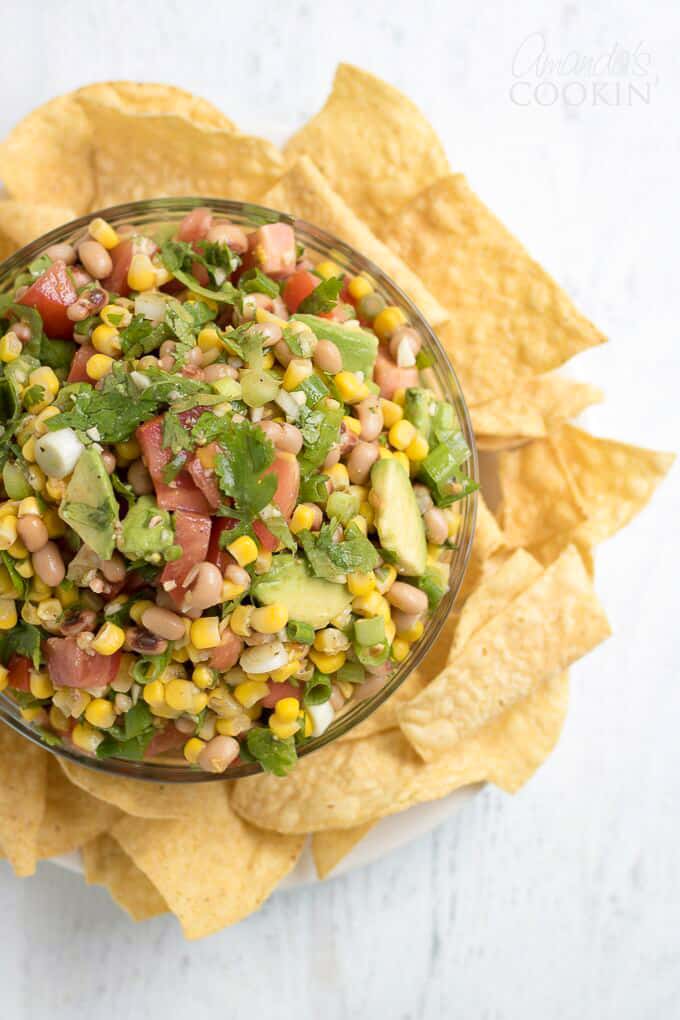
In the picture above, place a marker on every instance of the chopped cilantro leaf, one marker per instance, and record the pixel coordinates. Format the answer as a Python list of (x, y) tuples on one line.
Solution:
[(245, 454), (323, 298), (332, 560), (254, 281), (175, 436), (274, 755)]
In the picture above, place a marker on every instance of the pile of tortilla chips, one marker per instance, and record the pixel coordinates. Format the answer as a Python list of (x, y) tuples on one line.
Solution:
[(489, 702)]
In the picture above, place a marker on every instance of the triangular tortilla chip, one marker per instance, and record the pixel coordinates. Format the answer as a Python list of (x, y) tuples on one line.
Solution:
[(72, 817), (351, 784), (23, 784), (329, 848), (509, 319), (372, 143), (21, 223), (106, 864), (550, 625), (304, 192), (533, 408)]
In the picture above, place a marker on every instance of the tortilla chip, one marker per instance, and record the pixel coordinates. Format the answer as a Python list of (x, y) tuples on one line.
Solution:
[(533, 408), (212, 872), (539, 497), (372, 143), (347, 785), (488, 542), (509, 319), (494, 594), (329, 848), (550, 625), (167, 154), (21, 223), (23, 782), (304, 192), (615, 480), (48, 156), (143, 800), (106, 864), (72, 817)]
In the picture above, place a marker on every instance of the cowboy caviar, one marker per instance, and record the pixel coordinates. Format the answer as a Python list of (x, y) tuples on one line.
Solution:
[(229, 496)]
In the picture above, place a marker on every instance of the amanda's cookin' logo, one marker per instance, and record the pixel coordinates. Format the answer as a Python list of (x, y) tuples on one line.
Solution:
[(616, 76)]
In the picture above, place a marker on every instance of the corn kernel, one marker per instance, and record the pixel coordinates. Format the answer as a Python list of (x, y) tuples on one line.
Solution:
[(263, 562), (129, 450), (24, 568), (203, 677), (192, 749), (232, 727), (8, 614), (453, 521), (40, 684), (390, 631), (287, 709), (244, 550), (106, 340), (297, 371), (368, 513), (413, 633), (28, 507), (351, 389), (402, 434), (141, 274), (49, 610), (110, 638), (54, 524), (361, 584), (45, 377), (284, 673), (179, 694), (100, 713), (418, 448), (58, 720), (268, 361), (8, 531), (339, 476), (98, 366), (207, 456), (18, 550), (359, 287), (239, 621), (399, 650), (262, 315), (29, 614), (327, 268), (154, 693), (353, 424), (302, 519), (205, 633), (101, 231), (86, 738), (269, 619), (115, 315), (327, 662), (55, 488), (309, 724), (387, 321), (138, 609), (10, 347), (39, 425), (180, 654), (250, 692), (399, 397), (373, 604), (34, 714), (385, 578), (209, 339), (231, 591), (28, 450), (402, 459), (282, 730)]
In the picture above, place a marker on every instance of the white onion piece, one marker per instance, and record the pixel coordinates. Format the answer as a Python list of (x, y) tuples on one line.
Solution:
[(151, 305), (322, 716), (264, 658), (405, 356), (140, 380), (57, 453)]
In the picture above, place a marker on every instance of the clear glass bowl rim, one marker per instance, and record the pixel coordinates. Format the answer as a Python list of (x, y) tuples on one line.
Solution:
[(250, 214)]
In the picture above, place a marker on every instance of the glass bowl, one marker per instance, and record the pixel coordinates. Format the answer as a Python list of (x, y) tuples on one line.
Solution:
[(441, 378)]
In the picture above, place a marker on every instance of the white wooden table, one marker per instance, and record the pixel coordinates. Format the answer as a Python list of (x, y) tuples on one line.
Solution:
[(563, 902)]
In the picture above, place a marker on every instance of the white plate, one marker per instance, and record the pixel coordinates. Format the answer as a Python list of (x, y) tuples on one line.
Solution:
[(388, 834)]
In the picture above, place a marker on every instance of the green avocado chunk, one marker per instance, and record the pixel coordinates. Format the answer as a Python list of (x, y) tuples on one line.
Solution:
[(140, 539), (358, 348), (397, 518), (417, 404), (89, 505), (308, 599)]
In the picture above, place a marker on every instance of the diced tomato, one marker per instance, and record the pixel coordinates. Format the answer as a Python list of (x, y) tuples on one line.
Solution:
[(165, 740), (220, 557), (121, 256), (227, 652), (195, 225), (264, 536), (77, 371), (279, 691), (297, 287), (18, 672), (51, 294), (205, 478), (71, 666), (287, 469), (272, 248), (192, 534), (391, 378), (180, 494)]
